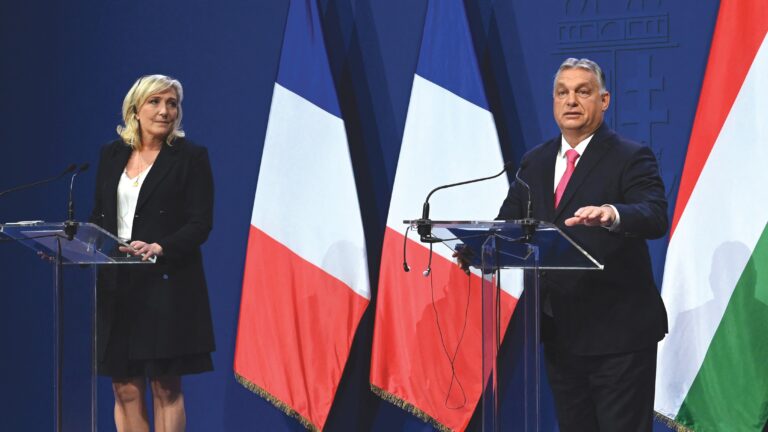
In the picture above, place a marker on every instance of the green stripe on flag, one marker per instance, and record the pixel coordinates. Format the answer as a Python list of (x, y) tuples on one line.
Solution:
[(730, 392)]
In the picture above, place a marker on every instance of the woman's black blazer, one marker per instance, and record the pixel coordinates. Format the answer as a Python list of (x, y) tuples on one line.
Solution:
[(167, 302)]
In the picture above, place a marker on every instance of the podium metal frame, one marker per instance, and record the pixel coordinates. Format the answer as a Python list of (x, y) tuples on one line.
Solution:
[(70, 243), (492, 246)]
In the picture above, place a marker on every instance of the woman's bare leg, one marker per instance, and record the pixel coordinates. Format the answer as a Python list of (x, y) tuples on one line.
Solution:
[(130, 409), (168, 402)]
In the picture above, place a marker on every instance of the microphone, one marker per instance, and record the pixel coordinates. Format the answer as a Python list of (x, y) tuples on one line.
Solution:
[(70, 226), (424, 226), (68, 170), (528, 223), (428, 270), (529, 208), (406, 267)]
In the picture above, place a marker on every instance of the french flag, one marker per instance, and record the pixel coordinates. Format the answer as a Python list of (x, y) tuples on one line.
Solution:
[(305, 283), (427, 354)]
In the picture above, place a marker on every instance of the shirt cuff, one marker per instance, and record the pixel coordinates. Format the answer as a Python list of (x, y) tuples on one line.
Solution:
[(616, 222)]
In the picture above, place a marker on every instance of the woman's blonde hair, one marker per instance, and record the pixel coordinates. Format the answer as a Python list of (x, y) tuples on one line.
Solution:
[(141, 90)]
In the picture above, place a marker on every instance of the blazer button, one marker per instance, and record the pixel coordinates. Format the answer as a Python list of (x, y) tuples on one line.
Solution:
[(135, 216), (165, 276)]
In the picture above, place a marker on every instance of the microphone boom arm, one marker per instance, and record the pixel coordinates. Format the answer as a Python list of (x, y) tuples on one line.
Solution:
[(69, 169), (424, 225)]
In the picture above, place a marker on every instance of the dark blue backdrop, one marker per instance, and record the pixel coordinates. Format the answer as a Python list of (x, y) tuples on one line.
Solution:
[(67, 65)]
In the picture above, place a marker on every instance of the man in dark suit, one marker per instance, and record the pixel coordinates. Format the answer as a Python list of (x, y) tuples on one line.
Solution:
[(600, 328)]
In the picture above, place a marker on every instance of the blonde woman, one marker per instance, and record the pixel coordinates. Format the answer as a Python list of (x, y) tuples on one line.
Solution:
[(154, 189)]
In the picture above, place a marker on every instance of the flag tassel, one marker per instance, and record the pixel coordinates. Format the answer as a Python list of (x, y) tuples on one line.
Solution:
[(282, 406), (672, 424), (404, 405)]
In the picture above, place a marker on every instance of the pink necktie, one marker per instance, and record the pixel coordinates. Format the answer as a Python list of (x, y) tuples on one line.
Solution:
[(572, 155)]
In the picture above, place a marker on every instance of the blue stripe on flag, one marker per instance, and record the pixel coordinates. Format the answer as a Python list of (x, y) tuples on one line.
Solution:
[(447, 56), (304, 67)]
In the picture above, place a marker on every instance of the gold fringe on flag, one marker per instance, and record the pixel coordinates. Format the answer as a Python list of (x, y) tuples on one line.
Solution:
[(671, 423), (282, 406), (402, 404)]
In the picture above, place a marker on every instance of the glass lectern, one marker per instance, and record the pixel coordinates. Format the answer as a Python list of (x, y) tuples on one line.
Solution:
[(495, 245), (67, 243)]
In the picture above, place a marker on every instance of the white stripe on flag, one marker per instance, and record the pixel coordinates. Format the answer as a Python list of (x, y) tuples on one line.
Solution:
[(726, 208), (306, 197), (446, 140)]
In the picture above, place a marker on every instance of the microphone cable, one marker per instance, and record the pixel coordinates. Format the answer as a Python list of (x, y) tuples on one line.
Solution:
[(451, 358)]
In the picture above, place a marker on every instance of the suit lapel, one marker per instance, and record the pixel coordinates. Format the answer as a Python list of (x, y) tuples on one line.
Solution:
[(547, 181), (118, 159), (591, 157), (160, 168)]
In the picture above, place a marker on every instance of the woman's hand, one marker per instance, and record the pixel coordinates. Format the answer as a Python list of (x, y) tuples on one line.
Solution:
[(146, 250)]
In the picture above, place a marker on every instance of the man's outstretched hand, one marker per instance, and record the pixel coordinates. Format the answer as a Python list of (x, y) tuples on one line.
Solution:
[(592, 216)]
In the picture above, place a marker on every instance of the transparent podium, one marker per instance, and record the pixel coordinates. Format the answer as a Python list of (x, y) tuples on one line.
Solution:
[(70, 243), (491, 246)]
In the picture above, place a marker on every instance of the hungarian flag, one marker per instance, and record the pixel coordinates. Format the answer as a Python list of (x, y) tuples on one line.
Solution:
[(713, 365), (427, 354), (305, 284)]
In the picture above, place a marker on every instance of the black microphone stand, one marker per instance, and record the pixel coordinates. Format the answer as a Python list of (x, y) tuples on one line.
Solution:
[(424, 225), (70, 225), (528, 224)]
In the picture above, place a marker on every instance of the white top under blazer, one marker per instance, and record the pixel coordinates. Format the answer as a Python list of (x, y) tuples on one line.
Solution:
[(127, 197)]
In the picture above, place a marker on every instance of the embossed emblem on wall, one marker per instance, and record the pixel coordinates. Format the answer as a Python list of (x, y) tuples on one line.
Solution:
[(622, 37)]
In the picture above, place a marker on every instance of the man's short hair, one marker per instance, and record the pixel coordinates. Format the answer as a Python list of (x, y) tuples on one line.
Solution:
[(585, 64)]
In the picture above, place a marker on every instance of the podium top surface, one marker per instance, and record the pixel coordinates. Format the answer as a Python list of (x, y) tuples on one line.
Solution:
[(91, 244), (527, 244)]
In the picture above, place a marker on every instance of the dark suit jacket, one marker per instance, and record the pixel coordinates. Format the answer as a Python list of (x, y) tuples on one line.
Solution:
[(618, 309), (168, 301)]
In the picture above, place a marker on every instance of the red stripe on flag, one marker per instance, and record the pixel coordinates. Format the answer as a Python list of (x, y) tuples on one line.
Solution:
[(295, 330), (409, 360), (740, 29)]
